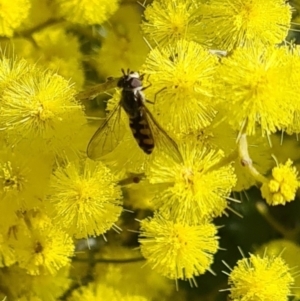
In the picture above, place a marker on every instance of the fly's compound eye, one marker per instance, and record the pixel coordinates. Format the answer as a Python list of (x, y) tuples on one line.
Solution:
[(129, 83), (135, 83)]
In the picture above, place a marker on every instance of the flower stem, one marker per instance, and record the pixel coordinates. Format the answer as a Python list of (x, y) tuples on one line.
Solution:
[(286, 233), (246, 160)]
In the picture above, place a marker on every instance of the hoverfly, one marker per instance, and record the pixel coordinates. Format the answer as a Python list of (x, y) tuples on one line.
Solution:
[(145, 129)]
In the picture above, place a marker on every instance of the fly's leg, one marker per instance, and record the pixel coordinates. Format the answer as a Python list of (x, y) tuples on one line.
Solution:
[(155, 95), (147, 80)]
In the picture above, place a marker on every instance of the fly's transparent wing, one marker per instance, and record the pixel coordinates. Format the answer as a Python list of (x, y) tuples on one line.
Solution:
[(108, 136), (96, 90), (162, 141)]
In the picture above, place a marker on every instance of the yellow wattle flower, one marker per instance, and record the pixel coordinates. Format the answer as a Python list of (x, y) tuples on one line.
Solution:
[(12, 14), (265, 278), (12, 69), (246, 22), (59, 50), (85, 198), (253, 85), (23, 181), (289, 252), (39, 13), (168, 21), (51, 48), (177, 250), (182, 81), (41, 108), (193, 190), (124, 31), (41, 247), (85, 12), (283, 186)]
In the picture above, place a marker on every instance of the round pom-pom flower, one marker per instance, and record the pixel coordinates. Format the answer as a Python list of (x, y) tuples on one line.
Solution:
[(59, 51), (41, 247), (40, 12), (124, 31), (23, 180), (254, 87), (85, 12), (167, 21), (283, 186), (181, 78), (177, 250), (257, 278), (12, 69), (246, 22), (195, 189), (293, 64), (40, 110), (289, 252), (12, 14), (85, 198)]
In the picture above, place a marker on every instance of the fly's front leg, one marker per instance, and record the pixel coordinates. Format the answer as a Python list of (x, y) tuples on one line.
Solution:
[(149, 101), (155, 95), (150, 84), (147, 80)]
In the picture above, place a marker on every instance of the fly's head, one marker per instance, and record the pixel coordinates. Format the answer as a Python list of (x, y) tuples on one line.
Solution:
[(130, 81)]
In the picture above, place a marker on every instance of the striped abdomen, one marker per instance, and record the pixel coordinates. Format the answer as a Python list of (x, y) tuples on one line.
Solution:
[(142, 133)]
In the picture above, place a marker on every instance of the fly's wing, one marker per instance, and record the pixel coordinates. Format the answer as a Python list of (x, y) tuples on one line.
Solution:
[(108, 136), (96, 90), (162, 141)]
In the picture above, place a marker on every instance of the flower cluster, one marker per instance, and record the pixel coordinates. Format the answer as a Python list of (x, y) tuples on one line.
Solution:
[(50, 193), (187, 134)]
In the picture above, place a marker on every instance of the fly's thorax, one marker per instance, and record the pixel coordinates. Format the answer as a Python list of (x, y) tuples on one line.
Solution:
[(132, 102)]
